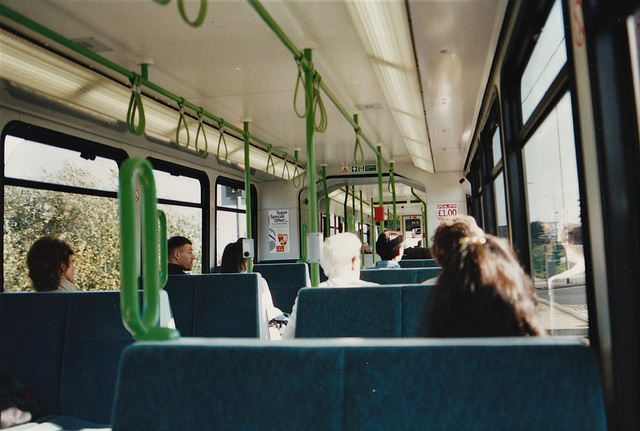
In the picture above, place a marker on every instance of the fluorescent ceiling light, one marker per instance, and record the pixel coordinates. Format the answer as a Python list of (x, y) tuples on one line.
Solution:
[(384, 31), (29, 66)]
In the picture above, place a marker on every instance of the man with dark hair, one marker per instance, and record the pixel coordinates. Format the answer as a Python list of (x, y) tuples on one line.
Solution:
[(180, 255), (389, 248)]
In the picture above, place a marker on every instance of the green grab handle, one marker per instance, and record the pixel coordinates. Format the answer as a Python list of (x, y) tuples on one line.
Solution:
[(138, 171), (164, 249)]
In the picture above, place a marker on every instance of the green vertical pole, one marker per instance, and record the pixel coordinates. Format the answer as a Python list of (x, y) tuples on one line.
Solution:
[(424, 216), (140, 225), (380, 198), (327, 216), (247, 188), (353, 200), (344, 205), (373, 233), (309, 72), (392, 178), (362, 229), (303, 243)]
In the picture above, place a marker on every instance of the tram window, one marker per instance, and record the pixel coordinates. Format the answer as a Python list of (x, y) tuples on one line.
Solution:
[(177, 187), (496, 146), (69, 191), (183, 196), (501, 206), (553, 202), (33, 161), (231, 213), (547, 59)]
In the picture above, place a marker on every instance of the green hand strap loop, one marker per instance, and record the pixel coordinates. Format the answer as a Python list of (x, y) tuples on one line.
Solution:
[(307, 105), (162, 2), (285, 168), (318, 106), (270, 165), (204, 152), (297, 179), (201, 13), (135, 107), (182, 122), (358, 153), (222, 140)]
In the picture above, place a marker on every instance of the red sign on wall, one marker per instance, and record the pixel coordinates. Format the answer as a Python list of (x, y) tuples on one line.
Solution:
[(446, 210), (378, 214)]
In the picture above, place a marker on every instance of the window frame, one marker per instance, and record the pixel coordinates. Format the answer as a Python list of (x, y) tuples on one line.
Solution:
[(205, 193), (62, 140), (229, 182)]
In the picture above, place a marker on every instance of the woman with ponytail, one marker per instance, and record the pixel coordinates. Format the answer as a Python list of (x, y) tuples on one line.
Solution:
[(482, 291)]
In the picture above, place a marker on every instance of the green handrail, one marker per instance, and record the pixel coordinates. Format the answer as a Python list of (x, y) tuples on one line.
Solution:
[(247, 189), (130, 76), (164, 252), (298, 56), (392, 182), (327, 217), (303, 243), (379, 168), (344, 205), (373, 233), (424, 215), (361, 229), (351, 224), (314, 268), (137, 172)]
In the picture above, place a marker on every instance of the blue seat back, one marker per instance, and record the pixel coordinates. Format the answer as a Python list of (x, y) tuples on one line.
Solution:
[(393, 384), (349, 312), (418, 263), (399, 276), (165, 387), (182, 291), (32, 333), (509, 384), (226, 305), (95, 339), (285, 280)]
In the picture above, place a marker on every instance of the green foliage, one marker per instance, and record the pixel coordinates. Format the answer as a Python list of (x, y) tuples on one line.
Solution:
[(90, 224)]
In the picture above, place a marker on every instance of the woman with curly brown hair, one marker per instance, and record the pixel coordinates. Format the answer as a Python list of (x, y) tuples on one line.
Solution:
[(51, 265), (482, 291)]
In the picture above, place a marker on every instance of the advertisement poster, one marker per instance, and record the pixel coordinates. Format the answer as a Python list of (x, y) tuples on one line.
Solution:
[(446, 210), (279, 231)]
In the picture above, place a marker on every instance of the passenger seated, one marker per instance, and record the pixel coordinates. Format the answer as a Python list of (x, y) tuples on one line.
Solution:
[(51, 266), (234, 262), (341, 264), (180, 255), (389, 248), (482, 291)]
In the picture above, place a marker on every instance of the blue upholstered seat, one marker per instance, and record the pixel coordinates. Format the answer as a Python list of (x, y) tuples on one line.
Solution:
[(388, 311), (399, 276), (418, 263), (285, 280), (360, 384)]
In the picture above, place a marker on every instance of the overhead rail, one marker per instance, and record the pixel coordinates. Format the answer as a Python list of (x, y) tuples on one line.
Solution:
[(137, 81), (300, 58)]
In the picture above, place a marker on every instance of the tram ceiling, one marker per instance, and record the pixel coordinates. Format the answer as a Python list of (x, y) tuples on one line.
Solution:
[(234, 66)]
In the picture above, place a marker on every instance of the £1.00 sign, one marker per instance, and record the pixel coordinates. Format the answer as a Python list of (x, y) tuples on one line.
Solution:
[(446, 210)]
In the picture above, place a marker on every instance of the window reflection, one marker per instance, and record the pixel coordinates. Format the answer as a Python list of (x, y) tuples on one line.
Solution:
[(548, 57), (501, 206), (554, 215)]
